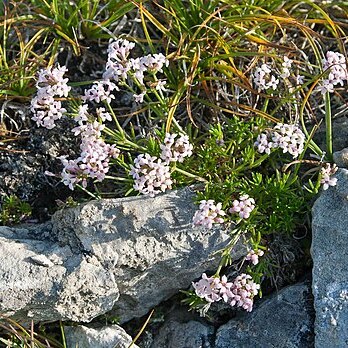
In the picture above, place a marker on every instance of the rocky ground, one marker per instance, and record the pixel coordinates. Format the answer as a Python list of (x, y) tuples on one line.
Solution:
[(117, 259), (123, 257)]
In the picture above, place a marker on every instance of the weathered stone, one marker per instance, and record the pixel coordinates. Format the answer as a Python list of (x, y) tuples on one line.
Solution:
[(282, 321), (105, 337), (330, 276), (341, 158), (148, 244), (175, 334), (143, 249), (43, 281)]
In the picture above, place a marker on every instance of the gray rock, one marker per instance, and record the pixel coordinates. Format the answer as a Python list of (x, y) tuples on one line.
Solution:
[(147, 243), (137, 251), (282, 321), (112, 336), (341, 158), (330, 277), (175, 334), (43, 281)]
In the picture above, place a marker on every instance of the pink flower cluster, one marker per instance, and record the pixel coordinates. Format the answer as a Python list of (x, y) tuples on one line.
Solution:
[(244, 206), (93, 161), (288, 137), (266, 78), (240, 292), (208, 214), (286, 66), (120, 66), (335, 63), (151, 175), (326, 176), (100, 91), (50, 84), (263, 143), (263, 78), (176, 150), (253, 256)]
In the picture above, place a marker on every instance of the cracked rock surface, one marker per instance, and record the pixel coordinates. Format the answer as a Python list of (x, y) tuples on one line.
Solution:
[(329, 249), (122, 255), (282, 320), (104, 337)]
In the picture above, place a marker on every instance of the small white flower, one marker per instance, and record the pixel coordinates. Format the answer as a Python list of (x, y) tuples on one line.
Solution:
[(139, 98), (335, 64), (100, 91), (288, 137), (326, 176), (94, 158), (240, 292), (253, 256), (103, 115), (176, 150), (244, 206), (299, 79), (208, 214), (151, 176), (50, 83), (287, 62)]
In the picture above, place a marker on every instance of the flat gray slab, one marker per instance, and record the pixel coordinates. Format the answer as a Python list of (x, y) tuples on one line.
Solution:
[(112, 336), (330, 274), (282, 321)]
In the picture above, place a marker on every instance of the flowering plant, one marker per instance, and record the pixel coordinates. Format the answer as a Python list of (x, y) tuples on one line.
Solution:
[(234, 194)]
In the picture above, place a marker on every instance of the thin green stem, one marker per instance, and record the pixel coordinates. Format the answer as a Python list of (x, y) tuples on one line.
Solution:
[(259, 161), (226, 254), (117, 178), (190, 175), (312, 145), (63, 334), (328, 125), (82, 83), (118, 126), (88, 192), (110, 132)]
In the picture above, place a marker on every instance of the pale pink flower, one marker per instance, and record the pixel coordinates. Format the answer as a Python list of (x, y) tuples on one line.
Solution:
[(326, 176), (240, 292), (335, 63), (46, 111), (208, 214), (100, 91), (51, 82), (103, 115), (299, 79), (253, 256), (94, 158), (244, 206), (263, 144), (176, 150), (288, 137), (208, 288), (45, 108), (263, 79), (243, 292), (139, 98), (151, 175)]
